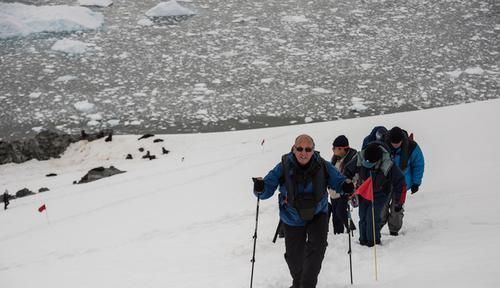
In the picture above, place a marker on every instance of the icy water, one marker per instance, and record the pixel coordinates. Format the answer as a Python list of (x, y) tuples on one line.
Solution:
[(242, 64)]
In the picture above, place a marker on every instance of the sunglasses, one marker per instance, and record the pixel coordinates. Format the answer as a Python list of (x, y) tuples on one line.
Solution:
[(300, 149)]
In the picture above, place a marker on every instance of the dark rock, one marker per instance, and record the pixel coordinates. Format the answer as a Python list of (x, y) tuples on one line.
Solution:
[(146, 136), (46, 144), (51, 175), (141, 149), (99, 173), (146, 156), (24, 192), (158, 140), (152, 157), (75, 182), (164, 151), (43, 189), (129, 156)]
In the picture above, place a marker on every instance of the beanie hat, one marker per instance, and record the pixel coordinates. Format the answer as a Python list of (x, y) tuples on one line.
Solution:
[(396, 135), (341, 141), (372, 153)]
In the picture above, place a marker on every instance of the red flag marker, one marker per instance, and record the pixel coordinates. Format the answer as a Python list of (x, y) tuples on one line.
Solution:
[(366, 189), (42, 208)]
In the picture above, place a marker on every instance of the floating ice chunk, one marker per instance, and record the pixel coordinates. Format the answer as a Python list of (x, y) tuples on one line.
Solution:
[(92, 123), (170, 8), (320, 90), (35, 95), (145, 22), (295, 19), (65, 78), (455, 73), (95, 117), (308, 119), (37, 129), (266, 80), (70, 46), (474, 70), (97, 3), (18, 19), (357, 104), (113, 122), (244, 121), (84, 106), (366, 66)]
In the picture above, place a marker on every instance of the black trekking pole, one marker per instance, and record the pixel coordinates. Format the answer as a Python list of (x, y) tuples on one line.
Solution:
[(349, 232), (278, 229), (255, 239)]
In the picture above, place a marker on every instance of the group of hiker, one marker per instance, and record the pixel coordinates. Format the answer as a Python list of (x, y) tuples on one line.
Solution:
[(390, 163)]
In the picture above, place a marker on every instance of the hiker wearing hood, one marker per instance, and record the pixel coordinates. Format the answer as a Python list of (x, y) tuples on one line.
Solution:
[(387, 179), (303, 177), (407, 154)]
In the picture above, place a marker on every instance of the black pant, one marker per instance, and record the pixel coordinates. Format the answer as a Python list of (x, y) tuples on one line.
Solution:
[(339, 214), (305, 250)]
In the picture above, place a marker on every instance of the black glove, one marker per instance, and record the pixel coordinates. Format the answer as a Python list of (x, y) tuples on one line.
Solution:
[(398, 208), (348, 188), (258, 185), (414, 189)]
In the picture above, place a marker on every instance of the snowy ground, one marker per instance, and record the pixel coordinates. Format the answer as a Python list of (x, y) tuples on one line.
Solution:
[(241, 64), (187, 219)]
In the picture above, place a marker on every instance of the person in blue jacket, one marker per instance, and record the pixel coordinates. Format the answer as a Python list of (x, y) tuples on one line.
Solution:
[(302, 177), (406, 153)]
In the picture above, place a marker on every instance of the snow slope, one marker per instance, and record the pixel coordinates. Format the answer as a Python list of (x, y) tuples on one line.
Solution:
[(187, 219)]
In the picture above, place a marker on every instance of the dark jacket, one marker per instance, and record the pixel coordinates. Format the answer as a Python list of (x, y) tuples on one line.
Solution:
[(347, 158), (386, 176), (318, 168)]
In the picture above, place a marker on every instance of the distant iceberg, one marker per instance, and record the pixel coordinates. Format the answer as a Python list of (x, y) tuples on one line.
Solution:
[(20, 20), (98, 3), (169, 9)]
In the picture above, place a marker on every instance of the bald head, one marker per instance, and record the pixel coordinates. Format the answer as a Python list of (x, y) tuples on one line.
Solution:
[(304, 138), (303, 148)]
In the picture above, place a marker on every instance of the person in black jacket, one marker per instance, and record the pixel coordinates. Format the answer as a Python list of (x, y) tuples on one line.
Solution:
[(342, 154), (375, 161), (5, 199)]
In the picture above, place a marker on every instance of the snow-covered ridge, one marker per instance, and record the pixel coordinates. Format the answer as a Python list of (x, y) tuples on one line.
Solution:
[(18, 19), (186, 219)]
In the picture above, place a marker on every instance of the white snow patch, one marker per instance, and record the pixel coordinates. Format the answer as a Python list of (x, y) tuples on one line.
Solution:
[(97, 3), (20, 20), (170, 8)]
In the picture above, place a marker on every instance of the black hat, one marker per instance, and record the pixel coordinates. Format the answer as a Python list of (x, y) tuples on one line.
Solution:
[(341, 141), (396, 135), (372, 153)]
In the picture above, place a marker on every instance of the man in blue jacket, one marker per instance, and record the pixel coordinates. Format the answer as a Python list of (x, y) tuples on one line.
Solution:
[(303, 177), (409, 157)]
